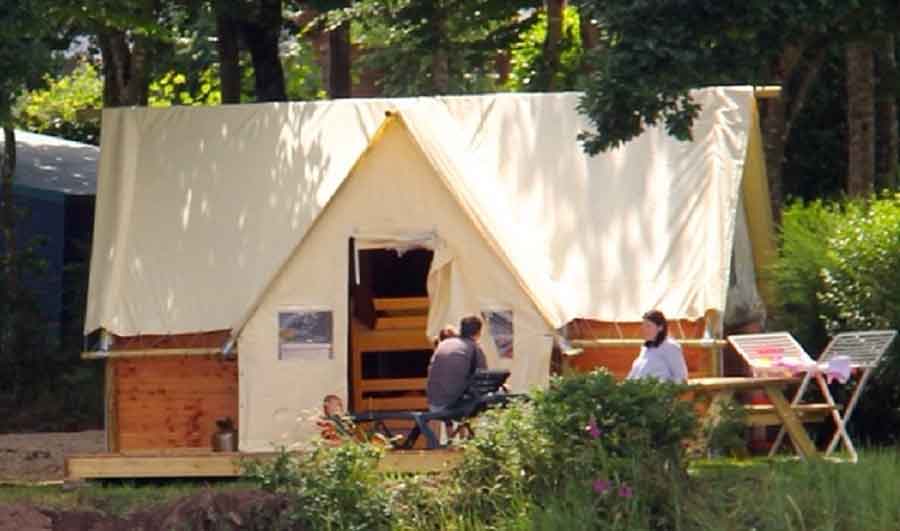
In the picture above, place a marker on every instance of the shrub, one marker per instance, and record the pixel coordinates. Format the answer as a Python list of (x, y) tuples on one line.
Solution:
[(796, 274), (836, 271), (861, 291), (619, 442), (329, 488)]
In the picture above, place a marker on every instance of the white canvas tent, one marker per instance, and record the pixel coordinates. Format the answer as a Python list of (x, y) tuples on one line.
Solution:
[(220, 218)]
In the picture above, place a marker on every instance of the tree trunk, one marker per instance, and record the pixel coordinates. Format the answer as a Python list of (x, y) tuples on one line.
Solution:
[(8, 214), (261, 30), (229, 53), (124, 68), (440, 59), (589, 32), (552, 40), (886, 114), (340, 84), (796, 76), (860, 119)]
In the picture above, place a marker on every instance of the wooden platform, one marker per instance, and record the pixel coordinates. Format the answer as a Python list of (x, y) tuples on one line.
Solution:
[(206, 464)]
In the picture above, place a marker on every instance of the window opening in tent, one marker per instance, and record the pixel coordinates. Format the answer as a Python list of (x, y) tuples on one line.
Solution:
[(389, 350)]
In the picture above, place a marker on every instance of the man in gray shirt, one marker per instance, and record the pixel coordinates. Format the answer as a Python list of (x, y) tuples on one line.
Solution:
[(453, 363)]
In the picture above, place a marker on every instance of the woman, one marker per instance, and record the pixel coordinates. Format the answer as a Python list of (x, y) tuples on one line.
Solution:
[(660, 357)]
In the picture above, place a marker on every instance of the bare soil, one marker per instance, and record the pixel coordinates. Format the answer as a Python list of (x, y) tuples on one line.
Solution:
[(29, 457), (250, 510)]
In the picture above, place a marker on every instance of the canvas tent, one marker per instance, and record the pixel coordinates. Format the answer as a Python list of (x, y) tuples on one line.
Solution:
[(54, 186), (258, 220)]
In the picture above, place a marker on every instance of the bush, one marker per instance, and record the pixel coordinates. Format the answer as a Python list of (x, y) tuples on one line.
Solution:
[(621, 443), (796, 274), (330, 488), (837, 270), (861, 291)]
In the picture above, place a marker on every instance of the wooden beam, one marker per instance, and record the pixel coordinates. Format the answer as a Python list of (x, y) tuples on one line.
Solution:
[(693, 343), (111, 424), (174, 464), (404, 322), (401, 304), (152, 352), (767, 92)]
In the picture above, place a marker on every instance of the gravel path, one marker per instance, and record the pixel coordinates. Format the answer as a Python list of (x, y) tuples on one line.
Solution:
[(39, 456)]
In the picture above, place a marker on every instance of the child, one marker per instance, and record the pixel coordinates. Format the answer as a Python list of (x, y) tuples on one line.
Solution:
[(330, 423)]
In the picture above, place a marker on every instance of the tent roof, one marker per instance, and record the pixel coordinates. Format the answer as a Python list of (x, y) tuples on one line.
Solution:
[(55, 164), (198, 208)]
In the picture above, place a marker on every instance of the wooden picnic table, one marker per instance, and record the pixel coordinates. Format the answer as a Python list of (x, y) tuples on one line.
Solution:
[(717, 391)]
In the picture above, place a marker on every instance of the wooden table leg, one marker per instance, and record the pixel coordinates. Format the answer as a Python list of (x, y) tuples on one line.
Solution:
[(792, 424)]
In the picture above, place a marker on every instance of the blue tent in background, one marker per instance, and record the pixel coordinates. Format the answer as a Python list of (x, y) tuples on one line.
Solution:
[(54, 188)]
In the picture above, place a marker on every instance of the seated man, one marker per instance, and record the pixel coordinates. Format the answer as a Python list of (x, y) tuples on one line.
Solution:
[(454, 361)]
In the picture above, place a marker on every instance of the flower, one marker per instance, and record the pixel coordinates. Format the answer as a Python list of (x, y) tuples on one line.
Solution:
[(592, 428), (625, 491), (601, 486)]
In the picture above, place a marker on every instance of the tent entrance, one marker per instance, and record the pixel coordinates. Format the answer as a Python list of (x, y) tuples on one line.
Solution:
[(389, 349)]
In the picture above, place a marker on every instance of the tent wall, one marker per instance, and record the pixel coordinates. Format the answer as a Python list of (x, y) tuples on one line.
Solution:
[(392, 190)]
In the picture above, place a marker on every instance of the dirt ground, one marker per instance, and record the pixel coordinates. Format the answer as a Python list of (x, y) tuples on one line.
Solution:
[(204, 511), (32, 457)]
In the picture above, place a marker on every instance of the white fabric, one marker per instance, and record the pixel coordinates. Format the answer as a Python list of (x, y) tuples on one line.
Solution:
[(277, 397), (199, 208)]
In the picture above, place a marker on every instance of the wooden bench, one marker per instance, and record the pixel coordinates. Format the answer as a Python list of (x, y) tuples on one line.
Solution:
[(766, 415)]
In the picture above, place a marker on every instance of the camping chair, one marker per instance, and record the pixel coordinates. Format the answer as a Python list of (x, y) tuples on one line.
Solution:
[(778, 355), (482, 392), (864, 350)]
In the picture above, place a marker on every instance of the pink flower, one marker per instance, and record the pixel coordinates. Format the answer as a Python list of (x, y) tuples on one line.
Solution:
[(625, 491), (601, 486), (592, 428)]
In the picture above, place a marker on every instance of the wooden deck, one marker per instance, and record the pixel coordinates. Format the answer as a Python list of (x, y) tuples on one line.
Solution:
[(205, 464)]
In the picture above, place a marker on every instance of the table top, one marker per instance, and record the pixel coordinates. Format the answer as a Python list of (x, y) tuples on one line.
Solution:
[(738, 383)]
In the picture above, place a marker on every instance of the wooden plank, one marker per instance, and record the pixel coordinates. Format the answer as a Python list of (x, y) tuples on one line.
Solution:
[(395, 304), (152, 352), (402, 322), (420, 461), (394, 404), (381, 340), (200, 463), (111, 407), (394, 384), (173, 401), (137, 466), (792, 424)]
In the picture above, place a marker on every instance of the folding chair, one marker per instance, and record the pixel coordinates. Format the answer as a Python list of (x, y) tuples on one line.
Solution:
[(777, 355), (864, 350)]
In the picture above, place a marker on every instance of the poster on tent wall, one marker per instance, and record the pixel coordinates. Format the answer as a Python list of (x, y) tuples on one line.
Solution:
[(500, 327), (305, 334)]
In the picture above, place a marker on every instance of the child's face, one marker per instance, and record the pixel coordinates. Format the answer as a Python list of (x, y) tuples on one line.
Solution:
[(333, 406)]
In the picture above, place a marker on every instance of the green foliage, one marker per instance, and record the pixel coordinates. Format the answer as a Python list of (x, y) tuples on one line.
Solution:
[(652, 53), (54, 110), (796, 274), (836, 271), (173, 88), (529, 70), (330, 488), (403, 38), (622, 442), (23, 50)]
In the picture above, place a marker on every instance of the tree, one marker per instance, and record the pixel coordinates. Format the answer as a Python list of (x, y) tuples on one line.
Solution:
[(438, 47), (886, 112), (860, 119), (652, 53)]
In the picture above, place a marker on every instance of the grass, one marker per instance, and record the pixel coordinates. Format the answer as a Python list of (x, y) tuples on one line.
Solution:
[(759, 494), (112, 498)]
